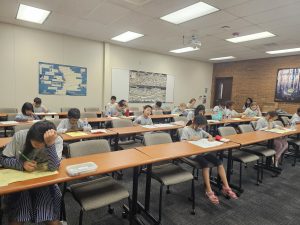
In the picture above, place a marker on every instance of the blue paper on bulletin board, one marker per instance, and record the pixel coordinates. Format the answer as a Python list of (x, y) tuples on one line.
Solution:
[(57, 79)]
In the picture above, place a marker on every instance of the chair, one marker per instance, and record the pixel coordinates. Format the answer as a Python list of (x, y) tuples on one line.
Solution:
[(55, 121), (240, 156), (286, 121), (168, 174), (65, 109), (253, 124), (260, 151), (181, 118), (8, 110), (88, 115), (98, 192), (92, 109), (22, 127)]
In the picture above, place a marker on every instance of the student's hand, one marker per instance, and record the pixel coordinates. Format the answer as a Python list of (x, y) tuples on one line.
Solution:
[(195, 138), (50, 137), (210, 138), (29, 166)]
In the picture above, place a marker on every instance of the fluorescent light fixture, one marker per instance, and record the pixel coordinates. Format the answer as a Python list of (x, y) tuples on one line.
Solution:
[(186, 49), (284, 51), (127, 36), (251, 37), (222, 58), (32, 14), (188, 13)]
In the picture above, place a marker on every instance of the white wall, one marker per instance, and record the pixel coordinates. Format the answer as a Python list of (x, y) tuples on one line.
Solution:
[(21, 49), (191, 76)]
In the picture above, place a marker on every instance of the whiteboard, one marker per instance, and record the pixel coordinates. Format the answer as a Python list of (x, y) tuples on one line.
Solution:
[(120, 85)]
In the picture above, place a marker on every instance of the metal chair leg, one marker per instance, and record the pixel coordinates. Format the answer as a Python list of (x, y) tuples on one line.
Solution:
[(193, 197), (80, 217), (240, 181), (258, 172), (160, 203)]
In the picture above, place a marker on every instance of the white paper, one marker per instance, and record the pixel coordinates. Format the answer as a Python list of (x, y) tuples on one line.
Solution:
[(204, 143), (9, 122), (163, 125), (213, 121), (149, 126), (98, 131)]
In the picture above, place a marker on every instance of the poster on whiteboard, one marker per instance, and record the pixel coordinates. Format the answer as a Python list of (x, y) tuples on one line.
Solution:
[(146, 87)]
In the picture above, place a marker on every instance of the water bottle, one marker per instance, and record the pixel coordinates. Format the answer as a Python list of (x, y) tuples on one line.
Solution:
[(293, 125), (85, 124)]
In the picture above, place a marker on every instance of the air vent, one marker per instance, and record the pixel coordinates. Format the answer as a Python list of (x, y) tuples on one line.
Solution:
[(138, 2)]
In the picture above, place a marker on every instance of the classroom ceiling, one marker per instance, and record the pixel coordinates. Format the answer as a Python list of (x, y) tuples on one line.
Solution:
[(103, 19)]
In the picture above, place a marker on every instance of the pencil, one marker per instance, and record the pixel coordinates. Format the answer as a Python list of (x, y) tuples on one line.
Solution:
[(24, 156)]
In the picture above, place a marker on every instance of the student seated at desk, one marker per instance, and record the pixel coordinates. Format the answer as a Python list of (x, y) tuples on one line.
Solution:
[(117, 110), (181, 110), (112, 103), (280, 144), (230, 112), (220, 107), (73, 123), (38, 107), (41, 148), (200, 110), (253, 110), (157, 106), (247, 103), (296, 117), (195, 132), (145, 118), (191, 104), (27, 113)]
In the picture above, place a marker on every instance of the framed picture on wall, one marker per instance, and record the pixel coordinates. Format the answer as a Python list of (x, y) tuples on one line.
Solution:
[(288, 85)]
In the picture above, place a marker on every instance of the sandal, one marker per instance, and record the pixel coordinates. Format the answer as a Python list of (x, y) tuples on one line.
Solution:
[(227, 192), (212, 197)]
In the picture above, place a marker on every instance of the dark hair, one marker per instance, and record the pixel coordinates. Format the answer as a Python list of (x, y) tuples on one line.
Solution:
[(37, 100), (113, 98), (247, 105), (74, 113), (272, 114), (158, 103), (121, 103), (198, 109), (147, 106), (298, 110), (229, 104), (200, 120), (36, 133), (27, 106), (193, 99)]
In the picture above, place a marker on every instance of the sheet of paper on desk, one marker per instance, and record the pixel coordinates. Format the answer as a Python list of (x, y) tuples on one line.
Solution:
[(163, 125), (8, 176), (236, 118), (76, 134), (9, 122), (34, 121), (279, 131), (115, 118), (149, 126), (204, 143), (213, 121), (95, 131)]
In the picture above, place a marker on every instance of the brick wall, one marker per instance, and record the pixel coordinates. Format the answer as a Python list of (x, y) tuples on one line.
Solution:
[(256, 79)]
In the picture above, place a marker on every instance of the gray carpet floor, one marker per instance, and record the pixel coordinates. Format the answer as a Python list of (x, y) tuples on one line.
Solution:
[(275, 202)]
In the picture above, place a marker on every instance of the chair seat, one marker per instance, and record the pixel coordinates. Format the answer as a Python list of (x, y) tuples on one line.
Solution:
[(244, 157), (259, 150), (170, 174), (98, 193), (194, 163), (293, 141)]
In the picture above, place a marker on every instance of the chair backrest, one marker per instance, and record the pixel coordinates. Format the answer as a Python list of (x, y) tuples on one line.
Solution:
[(22, 127), (11, 116), (65, 109), (181, 118), (157, 112), (8, 110), (92, 109), (88, 115), (253, 124), (245, 128), (55, 121), (278, 123), (226, 131), (121, 123), (286, 121), (157, 138), (88, 147)]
